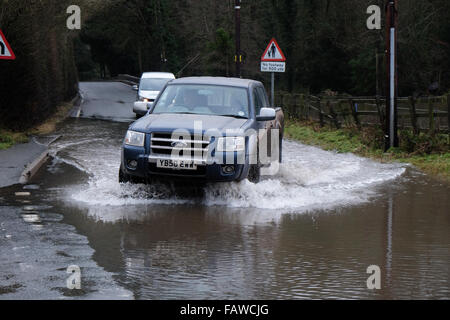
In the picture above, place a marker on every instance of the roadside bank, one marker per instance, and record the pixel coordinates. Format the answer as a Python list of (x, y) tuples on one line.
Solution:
[(9, 138), (23, 153), (429, 154)]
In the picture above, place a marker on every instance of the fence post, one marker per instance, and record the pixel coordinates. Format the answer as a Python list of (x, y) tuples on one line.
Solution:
[(354, 113), (320, 113), (412, 111), (307, 107), (301, 107), (380, 111), (341, 110), (448, 114), (431, 116), (291, 104), (295, 106), (333, 115)]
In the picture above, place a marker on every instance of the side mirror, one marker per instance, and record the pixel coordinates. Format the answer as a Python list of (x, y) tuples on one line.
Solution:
[(266, 114), (142, 107), (135, 87)]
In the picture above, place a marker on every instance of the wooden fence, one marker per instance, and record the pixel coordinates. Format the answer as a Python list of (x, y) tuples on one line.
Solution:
[(429, 114)]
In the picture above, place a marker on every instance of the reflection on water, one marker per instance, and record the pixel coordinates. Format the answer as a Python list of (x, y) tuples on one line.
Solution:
[(309, 232), (216, 252)]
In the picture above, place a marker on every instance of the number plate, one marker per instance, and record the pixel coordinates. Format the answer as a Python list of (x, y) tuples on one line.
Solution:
[(176, 164)]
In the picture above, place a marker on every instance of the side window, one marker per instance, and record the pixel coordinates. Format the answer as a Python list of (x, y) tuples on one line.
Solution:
[(257, 100), (263, 97)]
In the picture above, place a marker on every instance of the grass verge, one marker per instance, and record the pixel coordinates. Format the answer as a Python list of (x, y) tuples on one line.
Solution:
[(9, 138), (428, 153)]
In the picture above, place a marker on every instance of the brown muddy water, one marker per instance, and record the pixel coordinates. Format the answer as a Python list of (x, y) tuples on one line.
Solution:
[(310, 232)]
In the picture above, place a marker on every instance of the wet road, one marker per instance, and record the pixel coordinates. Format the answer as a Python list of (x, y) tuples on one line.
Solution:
[(107, 101), (309, 232)]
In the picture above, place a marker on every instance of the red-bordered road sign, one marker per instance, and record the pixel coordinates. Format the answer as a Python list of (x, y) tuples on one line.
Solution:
[(273, 52), (6, 52)]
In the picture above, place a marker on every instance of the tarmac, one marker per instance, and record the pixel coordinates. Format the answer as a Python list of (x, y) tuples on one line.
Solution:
[(15, 162)]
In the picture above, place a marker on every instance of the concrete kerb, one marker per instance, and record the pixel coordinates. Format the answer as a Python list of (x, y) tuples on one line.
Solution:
[(32, 168)]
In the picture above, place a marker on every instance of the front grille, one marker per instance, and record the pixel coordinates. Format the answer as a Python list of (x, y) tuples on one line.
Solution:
[(164, 144)]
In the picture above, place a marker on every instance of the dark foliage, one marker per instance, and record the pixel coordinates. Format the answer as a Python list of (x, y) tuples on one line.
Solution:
[(326, 43), (44, 72)]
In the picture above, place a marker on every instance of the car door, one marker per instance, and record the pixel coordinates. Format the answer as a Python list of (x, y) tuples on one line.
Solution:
[(261, 101), (257, 103)]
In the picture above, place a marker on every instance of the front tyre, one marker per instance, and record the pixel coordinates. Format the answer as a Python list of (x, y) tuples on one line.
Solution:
[(123, 177), (254, 173)]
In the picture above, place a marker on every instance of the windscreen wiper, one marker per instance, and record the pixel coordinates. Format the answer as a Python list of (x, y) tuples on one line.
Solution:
[(233, 115)]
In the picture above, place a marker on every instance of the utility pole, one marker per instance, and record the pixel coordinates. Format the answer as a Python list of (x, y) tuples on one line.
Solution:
[(238, 56), (392, 76)]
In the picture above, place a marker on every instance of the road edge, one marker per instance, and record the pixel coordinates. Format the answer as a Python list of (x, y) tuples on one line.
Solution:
[(33, 167)]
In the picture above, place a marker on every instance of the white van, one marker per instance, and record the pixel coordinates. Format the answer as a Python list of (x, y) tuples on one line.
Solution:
[(150, 85)]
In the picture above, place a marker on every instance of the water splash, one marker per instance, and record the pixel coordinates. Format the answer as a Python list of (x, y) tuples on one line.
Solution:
[(309, 178)]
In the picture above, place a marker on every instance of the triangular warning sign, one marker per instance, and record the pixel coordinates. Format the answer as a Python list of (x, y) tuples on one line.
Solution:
[(6, 52), (273, 52)]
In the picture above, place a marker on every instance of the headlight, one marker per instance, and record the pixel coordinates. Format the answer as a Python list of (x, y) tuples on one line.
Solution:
[(144, 99), (227, 144), (133, 138)]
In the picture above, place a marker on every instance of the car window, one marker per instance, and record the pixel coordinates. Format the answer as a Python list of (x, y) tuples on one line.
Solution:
[(152, 84), (263, 97), (257, 101), (203, 99)]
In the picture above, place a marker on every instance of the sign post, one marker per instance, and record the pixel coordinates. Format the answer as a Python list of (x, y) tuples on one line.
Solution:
[(273, 60), (6, 52), (392, 77), (238, 56)]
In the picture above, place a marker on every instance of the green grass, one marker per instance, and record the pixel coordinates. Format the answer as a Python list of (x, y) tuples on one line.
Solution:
[(435, 164), (329, 140), (9, 138), (430, 154)]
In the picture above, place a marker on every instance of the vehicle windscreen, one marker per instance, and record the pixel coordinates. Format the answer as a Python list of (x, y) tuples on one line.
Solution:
[(152, 84), (204, 99)]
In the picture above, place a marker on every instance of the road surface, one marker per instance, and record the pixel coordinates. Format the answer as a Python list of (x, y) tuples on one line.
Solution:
[(107, 101), (309, 232)]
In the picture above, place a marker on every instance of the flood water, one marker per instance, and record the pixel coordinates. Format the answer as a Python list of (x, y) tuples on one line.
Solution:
[(311, 231)]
